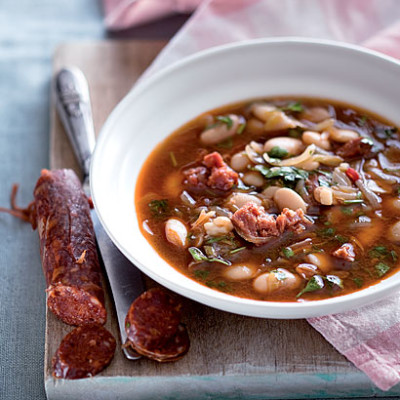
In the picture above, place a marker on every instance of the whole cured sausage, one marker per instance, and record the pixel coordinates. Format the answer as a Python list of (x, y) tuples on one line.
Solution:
[(84, 352), (154, 329), (68, 249)]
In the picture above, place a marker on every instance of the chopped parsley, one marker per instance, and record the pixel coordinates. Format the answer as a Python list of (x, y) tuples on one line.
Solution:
[(341, 239), (159, 208), (359, 282), (389, 132), (241, 128), (296, 132), (346, 210), (199, 256), (234, 251), (394, 255), (221, 285), (381, 268), (278, 152), (226, 144), (315, 283), (294, 107), (201, 274), (363, 120), (289, 174), (327, 232), (288, 252), (225, 119)]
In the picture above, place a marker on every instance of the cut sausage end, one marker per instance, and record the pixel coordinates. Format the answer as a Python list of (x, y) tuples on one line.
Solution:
[(76, 306)]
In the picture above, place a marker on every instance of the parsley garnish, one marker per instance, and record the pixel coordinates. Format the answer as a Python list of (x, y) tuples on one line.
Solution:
[(341, 239), (294, 107), (201, 274), (241, 128), (389, 132), (288, 252), (278, 152), (315, 283), (289, 174), (381, 269), (159, 208), (225, 120), (295, 132), (346, 210), (234, 251), (359, 282), (226, 144), (326, 232), (199, 256)]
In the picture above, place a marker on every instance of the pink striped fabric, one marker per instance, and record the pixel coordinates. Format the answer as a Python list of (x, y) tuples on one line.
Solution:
[(122, 14), (369, 337)]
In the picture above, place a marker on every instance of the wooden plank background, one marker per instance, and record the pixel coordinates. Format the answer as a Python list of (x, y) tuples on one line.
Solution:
[(231, 356)]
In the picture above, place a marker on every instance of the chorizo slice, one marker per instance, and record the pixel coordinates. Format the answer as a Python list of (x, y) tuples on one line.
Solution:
[(68, 249), (84, 352), (153, 326)]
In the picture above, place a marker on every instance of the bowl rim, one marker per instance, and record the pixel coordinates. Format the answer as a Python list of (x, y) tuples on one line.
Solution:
[(361, 296)]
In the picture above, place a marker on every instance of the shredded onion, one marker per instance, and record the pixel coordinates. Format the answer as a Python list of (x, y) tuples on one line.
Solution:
[(329, 160), (253, 155), (387, 165), (187, 199), (323, 125), (372, 198), (305, 156), (378, 173)]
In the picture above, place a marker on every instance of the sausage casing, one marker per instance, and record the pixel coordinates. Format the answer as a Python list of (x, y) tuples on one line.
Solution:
[(68, 249)]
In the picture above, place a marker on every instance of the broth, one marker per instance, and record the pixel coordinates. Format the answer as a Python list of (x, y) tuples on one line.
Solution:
[(309, 215)]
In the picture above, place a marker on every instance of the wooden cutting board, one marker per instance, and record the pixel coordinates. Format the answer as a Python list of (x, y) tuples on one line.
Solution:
[(231, 356)]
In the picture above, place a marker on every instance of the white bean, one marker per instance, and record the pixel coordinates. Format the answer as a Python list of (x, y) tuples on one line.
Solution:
[(253, 178), (262, 111), (176, 232), (269, 192), (316, 114), (394, 232), (320, 140), (220, 132), (281, 279), (288, 198), (321, 260), (278, 121), (291, 145), (218, 226), (240, 272), (342, 135), (323, 195), (240, 161), (238, 200)]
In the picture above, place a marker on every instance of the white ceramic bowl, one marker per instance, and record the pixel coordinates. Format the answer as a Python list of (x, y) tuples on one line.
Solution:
[(219, 76)]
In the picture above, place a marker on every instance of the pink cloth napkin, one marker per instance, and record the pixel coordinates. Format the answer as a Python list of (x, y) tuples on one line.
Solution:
[(122, 14), (370, 336)]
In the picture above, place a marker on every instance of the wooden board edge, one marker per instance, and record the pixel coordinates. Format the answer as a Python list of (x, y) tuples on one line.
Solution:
[(261, 387)]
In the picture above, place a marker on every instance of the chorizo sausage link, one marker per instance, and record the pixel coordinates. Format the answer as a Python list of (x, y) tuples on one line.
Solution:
[(68, 249)]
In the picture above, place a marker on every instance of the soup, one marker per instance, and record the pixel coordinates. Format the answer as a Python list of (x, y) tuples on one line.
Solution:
[(276, 199)]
